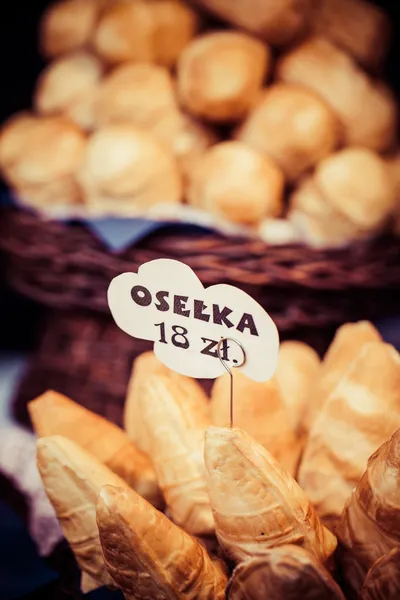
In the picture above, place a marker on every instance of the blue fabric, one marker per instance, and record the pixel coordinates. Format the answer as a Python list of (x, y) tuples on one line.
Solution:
[(21, 569), (105, 594), (118, 234), (389, 328), (6, 199)]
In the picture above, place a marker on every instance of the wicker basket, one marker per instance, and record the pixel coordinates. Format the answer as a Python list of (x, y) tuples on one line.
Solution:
[(66, 266), (85, 357)]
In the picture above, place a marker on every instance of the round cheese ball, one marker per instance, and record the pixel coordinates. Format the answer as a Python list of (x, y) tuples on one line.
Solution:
[(68, 86), (293, 126), (36, 150), (357, 183), (238, 183), (360, 28), (175, 25), (39, 158), (125, 32), (155, 31), (68, 25), (316, 222), (220, 75), (142, 94), (126, 168), (366, 108), (278, 22), (350, 196), (187, 138), (137, 93)]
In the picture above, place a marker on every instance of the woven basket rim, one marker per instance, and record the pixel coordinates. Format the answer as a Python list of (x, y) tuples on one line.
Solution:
[(66, 266)]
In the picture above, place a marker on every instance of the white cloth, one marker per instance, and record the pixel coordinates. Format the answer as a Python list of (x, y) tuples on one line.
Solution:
[(18, 461), (18, 464)]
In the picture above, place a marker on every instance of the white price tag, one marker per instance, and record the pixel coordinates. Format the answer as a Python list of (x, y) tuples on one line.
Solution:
[(166, 302)]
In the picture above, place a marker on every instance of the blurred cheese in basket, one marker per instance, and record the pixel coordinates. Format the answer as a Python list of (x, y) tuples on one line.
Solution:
[(143, 94), (138, 93), (351, 195), (366, 108), (293, 126), (220, 75), (175, 24), (68, 86), (123, 164), (237, 182), (68, 25), (154, 31), (361, 28), (39, 156), (187, 138), (278, 22), (260, 121)]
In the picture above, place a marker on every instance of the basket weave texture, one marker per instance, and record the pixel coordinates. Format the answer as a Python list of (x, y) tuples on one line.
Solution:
[(66, 266), (84, 356)]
